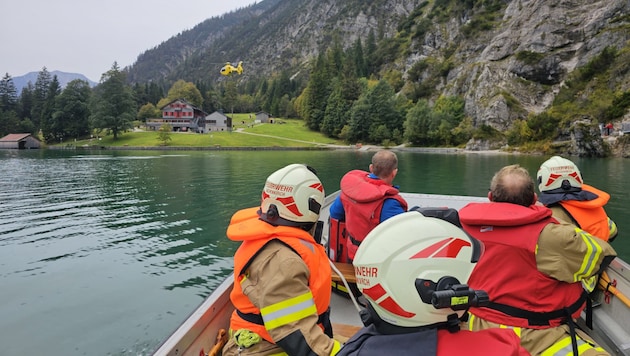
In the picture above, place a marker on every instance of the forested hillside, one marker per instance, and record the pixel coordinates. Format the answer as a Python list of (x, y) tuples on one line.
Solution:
[(504, 61)]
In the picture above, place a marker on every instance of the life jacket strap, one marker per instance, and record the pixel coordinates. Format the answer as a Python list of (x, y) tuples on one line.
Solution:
[(540, 318), (323, 320), (353, 240)]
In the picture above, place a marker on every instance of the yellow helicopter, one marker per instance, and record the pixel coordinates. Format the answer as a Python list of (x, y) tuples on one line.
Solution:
[(229, 69)]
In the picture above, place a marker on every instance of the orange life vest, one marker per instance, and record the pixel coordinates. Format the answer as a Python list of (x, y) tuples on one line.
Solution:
[(255, 234), (590, 215)]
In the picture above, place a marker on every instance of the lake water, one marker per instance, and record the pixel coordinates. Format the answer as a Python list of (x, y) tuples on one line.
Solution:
[(106, 253)]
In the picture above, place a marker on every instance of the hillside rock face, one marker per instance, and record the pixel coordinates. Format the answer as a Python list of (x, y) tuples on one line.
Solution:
[(564, 34), (504, 72)]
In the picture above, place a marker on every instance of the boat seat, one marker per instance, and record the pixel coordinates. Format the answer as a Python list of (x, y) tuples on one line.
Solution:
[(347, 269)]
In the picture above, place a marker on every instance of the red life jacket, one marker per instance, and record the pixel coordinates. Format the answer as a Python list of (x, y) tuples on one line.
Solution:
[(255, 234), (520, 295), (488, 342), (337, 241), (590, 214), (362, 198)]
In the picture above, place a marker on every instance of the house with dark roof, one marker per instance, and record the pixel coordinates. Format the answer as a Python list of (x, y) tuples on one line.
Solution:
[(19, 141), (217, 121), (181, 116), (264, 117)]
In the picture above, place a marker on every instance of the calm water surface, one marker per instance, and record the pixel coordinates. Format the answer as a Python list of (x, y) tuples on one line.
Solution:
[(106, 253)]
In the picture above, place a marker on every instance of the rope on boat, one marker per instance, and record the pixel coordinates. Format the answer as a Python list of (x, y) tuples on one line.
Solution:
[(345, 283), (609, 286)]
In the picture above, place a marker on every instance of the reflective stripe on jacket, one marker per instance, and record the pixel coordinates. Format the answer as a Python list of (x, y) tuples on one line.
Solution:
[(508, 272), (255, 234), (590, 215), (362, 198)]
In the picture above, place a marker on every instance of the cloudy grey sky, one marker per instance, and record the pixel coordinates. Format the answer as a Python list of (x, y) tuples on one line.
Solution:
[(88, 36)]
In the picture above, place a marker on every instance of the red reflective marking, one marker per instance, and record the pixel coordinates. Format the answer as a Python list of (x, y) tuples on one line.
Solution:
[(390, 305), (447, 248), (289, 203), (552, 178), (375, 292), (576, 176), (317, 186)]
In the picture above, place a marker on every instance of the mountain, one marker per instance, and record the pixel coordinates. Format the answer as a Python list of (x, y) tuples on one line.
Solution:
[(508, 59), (63, 77)]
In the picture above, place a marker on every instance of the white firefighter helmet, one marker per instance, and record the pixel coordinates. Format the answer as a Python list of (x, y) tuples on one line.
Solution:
[(407, 253), (559, 173), (292, 196)]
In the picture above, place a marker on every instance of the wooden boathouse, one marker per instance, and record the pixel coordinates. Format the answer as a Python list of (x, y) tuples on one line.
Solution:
[(19, 141)]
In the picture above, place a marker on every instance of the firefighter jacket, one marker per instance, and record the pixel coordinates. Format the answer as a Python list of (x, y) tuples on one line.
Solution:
[(520, 294), (432, 342), (281, 289), (362, 198)]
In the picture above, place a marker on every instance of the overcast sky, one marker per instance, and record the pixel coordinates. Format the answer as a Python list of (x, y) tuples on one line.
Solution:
[(88, 36)]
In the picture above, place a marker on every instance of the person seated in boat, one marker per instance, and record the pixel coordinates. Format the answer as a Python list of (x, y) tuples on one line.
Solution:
[(532, 267), (562, 189), (413, 271), (366, 200), (282, 275)]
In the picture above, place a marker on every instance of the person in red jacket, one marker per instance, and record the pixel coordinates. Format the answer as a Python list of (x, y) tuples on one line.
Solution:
[(532, 267), (412, 270), (282, 275), (366, 200)]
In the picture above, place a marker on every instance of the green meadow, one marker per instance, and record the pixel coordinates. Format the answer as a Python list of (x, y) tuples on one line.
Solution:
[(282, 133)]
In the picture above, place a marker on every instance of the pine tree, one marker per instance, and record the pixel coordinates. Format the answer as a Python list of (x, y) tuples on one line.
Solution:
[(317, 92), (46, 121), (40, 94), (8, 94), (113, 107), (25, 103)]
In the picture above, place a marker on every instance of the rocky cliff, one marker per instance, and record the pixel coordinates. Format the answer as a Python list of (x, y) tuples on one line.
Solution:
[(508, 58)]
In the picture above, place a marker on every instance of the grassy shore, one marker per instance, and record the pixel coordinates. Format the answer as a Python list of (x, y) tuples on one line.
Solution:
[(246, 133)]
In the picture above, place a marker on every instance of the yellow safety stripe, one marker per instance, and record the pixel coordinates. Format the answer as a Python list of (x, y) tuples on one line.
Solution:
[(340, 287), (471, 319), (288, 311), (336, 348), (590, 283), (517, 330), (564, 347), (612, 227), (594, 250)]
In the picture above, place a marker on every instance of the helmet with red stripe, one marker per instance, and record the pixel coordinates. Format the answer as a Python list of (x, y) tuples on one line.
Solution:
[(409, 262), (559, 174), (292, 196)]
